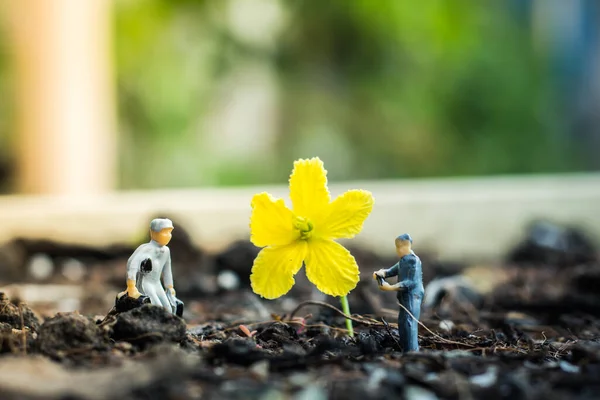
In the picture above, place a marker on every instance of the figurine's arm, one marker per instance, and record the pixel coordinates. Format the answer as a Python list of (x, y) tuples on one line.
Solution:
[(133, 267), (387, 273), (408, 283), (392, 271), (168, 273)]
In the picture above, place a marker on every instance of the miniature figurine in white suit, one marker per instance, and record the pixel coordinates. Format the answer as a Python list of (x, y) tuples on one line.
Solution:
[(148, 262)]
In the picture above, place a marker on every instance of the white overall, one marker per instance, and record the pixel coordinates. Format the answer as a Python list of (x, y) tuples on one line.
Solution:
[(148, 283)]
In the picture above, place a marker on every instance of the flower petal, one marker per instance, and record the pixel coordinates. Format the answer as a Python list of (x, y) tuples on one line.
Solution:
[(346, 216), (271, 222), (274, 269), (331, 267), (308, 188)]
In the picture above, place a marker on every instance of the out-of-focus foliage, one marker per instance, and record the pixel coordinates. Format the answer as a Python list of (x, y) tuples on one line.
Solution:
[(438, 88), (378, 89), (165, 60)]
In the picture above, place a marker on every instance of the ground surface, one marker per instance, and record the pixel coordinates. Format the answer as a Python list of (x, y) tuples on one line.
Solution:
[(530, 333)]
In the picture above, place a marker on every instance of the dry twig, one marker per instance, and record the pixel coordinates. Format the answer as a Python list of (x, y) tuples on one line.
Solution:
[(24, 334), (365, 322), (337, 310)]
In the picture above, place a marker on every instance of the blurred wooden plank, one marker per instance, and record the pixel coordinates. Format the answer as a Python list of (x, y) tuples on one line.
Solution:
[(458, 218), (62, 58)]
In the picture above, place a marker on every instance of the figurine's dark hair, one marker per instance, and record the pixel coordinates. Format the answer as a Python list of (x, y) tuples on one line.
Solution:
[(403, 238)]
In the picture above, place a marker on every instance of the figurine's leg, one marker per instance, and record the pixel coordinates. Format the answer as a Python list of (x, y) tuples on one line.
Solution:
[(150, 291), (164, 301), (417, 299), (157, 295), (403, 332), (415, 309), (408, 328), (404, 323)]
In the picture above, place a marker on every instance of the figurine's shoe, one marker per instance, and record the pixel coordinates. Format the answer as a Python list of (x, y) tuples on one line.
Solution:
[(178, 307)]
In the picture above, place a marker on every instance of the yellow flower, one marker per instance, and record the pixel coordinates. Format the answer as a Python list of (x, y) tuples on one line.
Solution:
[(306, 234)]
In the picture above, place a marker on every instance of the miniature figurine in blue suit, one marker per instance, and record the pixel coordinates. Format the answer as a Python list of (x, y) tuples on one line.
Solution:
[(410, 291)]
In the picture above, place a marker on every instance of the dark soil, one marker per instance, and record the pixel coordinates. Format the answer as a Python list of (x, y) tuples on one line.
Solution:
[(17, 316), (148, 325), (534, 335), (68, 335)]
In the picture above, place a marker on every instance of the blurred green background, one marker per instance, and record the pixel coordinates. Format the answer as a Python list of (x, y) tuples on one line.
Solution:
[(231, 92)]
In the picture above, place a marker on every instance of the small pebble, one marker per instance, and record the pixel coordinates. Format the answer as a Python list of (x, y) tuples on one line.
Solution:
[(446, 325), (313, 392), (40, 266), (73, 270), (375, 379), (487, 379), (123, 346), (260, 369), (418, 393), (228, 280), (568, 367), (300, 379), (288, 304)]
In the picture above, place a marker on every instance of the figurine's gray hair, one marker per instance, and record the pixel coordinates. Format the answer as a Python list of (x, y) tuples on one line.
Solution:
[(403, 238), (159, 224)]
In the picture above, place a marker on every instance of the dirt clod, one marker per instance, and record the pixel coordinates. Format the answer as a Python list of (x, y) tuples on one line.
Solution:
[(17, 317), (278, 332), (237, 351), (68, 334), (148, 325)]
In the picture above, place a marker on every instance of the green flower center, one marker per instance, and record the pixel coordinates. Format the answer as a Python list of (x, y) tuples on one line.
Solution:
[(304, 226)]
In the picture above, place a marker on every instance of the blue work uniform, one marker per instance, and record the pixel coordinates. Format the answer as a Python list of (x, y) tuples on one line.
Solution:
[(410, 295)]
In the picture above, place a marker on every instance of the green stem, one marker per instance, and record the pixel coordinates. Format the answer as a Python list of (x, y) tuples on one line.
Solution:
[(346, 310)]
